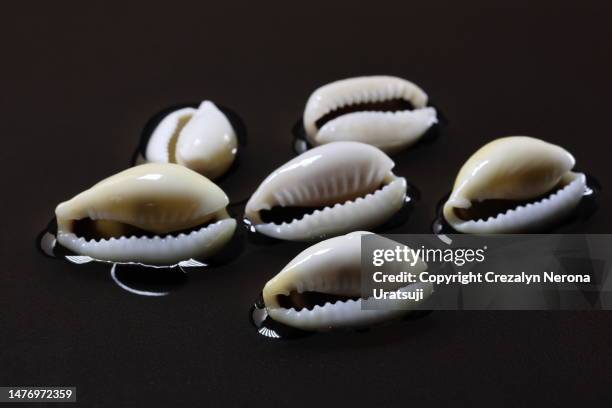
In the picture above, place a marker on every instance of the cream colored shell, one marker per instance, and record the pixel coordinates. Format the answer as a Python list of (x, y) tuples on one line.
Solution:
[(389, 131), (331, 176), (515, 168), (159, 198), (201, 139), (333, 267)]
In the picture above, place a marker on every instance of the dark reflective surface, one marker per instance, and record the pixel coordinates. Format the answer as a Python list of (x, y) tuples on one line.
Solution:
[(142, 281), (80, 80), (274, 330)]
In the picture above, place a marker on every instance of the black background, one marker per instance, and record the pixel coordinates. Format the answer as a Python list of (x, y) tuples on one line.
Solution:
[(79, 81)]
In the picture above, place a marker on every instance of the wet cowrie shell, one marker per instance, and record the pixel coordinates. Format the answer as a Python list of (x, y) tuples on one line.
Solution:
[(201, 139), (516, 168), (333, 267), (344, 178), (158, 198), (390, 131)]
